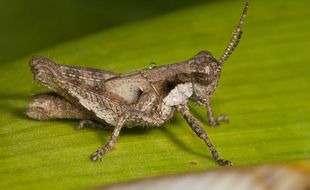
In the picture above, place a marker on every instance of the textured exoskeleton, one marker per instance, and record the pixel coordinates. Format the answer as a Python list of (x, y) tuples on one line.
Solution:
[(148, 97)]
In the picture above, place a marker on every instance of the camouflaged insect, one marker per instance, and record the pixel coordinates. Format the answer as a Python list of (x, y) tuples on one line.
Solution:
[(148, 97)]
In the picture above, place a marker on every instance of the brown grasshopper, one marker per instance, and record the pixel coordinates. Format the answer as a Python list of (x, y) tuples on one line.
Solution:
[(148, 97)]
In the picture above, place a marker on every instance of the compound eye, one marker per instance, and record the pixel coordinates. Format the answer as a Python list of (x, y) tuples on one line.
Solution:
[(206, 70), (201, 77)]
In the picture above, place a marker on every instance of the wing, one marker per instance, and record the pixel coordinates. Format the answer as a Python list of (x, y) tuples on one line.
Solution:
[(89, 76), (83, 87), (102, 104)]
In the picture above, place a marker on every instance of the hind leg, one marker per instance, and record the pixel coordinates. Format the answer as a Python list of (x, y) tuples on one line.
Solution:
[(49, 106)]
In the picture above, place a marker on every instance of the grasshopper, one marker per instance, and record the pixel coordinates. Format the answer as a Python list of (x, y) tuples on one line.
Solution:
[(149, 97)]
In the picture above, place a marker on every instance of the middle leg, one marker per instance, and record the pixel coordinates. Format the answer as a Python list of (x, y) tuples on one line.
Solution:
[(92, 124), (103, 150)]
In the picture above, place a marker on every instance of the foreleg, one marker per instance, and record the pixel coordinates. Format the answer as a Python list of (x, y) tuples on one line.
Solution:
[(201, 133), (202, 96), (214, 121)]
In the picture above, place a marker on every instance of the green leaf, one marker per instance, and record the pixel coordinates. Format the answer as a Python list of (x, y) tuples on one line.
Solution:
[(264, 88)]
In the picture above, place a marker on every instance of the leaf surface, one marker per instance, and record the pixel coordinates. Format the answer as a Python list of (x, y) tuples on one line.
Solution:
[(264, 89)]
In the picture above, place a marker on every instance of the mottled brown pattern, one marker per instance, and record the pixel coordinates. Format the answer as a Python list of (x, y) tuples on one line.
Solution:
[(53, 106), (201, 133), (148, 97)]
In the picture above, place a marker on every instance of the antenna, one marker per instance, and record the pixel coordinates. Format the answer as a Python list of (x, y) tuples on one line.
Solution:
[(236, 36)]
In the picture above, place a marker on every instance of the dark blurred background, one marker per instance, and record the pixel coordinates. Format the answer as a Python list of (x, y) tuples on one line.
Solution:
[(27, 26)]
